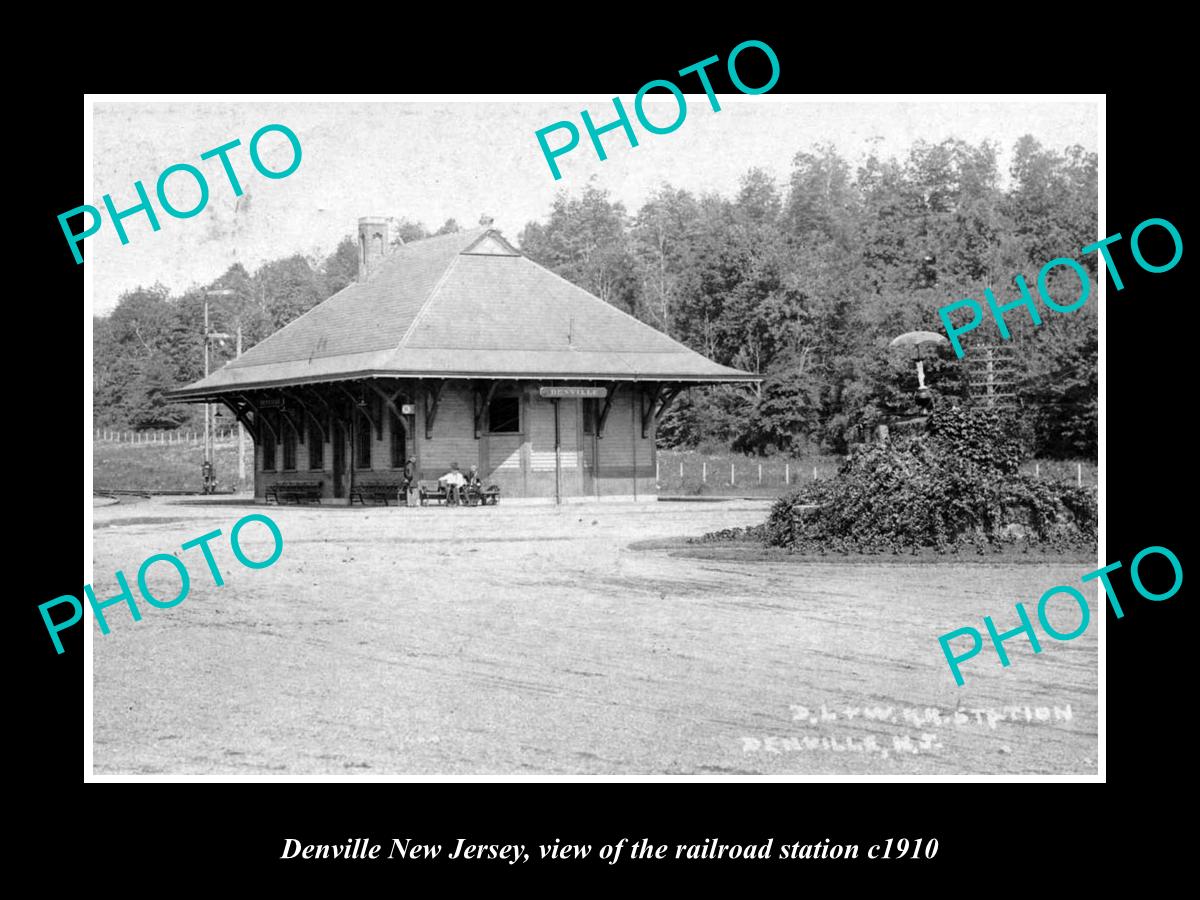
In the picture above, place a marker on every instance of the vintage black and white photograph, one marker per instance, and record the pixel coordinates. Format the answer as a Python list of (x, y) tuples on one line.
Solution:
[(759, 447)]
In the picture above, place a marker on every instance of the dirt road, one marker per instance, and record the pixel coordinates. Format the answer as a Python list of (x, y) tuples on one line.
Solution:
[(525, 639)]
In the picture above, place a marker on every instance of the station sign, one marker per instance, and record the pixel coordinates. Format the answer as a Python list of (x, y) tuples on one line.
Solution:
[(555, 393)]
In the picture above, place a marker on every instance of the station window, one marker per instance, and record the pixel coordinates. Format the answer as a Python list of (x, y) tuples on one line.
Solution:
[(504, 415), (363, 442), (268, 445), (398, 448), (591, 412), (316, 447), (289, 447)]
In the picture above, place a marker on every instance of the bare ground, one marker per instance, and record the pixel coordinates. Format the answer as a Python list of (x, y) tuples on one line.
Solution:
[(525, 639)]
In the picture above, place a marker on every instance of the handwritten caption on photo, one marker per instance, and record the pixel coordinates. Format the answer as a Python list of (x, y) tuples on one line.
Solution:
[(917, 717), (1026, 626), (185, 582)]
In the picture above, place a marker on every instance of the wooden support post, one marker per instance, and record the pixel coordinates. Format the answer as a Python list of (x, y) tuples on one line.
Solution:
[(760, 473), (608, 401), (557, 456), (242, 415), (648, 406), (327, 434), (433, 396), (390, 403), (360, 410), (633, 439), (704, 472), (667, 399), (787, 473), (307, 414), (482, 401), (296, 430), (259, 417)]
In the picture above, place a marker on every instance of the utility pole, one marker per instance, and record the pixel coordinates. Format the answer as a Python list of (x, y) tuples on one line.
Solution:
[(210, 336), (241, 427), (207, 406)]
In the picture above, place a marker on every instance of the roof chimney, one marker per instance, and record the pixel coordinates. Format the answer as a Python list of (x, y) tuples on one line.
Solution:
[(486, 220), (373, 243)]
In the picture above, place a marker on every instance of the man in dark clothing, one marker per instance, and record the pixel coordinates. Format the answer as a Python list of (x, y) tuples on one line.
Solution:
[(410, 474), (473, 485)]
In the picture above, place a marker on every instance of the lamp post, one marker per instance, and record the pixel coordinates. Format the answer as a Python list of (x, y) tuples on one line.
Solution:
[(210, 336), (916, 340)]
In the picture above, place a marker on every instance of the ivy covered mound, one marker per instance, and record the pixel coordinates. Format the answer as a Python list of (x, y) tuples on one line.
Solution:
[(954, 486)]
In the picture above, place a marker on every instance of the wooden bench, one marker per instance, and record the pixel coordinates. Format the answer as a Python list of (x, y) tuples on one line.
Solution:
[(377, 490), (293, 490), (436, 491), (483, 496), (431, 490)]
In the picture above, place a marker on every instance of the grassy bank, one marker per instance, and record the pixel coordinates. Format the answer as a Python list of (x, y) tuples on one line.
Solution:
[(164, 467)]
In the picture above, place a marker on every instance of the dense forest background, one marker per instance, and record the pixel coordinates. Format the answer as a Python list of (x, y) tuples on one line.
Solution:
[(805, 283)]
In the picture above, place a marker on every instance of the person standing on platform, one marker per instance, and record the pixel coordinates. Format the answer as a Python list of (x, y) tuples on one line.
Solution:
[(406, 483)]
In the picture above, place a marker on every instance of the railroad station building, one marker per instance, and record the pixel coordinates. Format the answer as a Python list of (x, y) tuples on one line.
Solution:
[(458, 349)]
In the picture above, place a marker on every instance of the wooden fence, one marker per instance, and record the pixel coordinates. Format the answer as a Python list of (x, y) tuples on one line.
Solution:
[(161, 436), (689, 472)]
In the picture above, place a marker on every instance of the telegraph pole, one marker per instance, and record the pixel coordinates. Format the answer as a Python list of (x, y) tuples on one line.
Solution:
[(241, 427), (207, 406), (209, 337)]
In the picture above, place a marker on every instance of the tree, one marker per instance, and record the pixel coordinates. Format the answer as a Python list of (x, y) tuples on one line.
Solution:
[(340, 268), (289, 287), (585, 241), (140, 350), (822, 203), (405, 231), (789, 410), (661, 240)]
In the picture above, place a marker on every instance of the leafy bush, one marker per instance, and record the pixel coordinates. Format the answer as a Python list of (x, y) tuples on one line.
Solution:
[(726, 535), (956, 485), (982, 436)]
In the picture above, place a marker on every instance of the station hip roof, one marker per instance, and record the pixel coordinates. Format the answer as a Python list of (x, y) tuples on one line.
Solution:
[(463, 305)]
